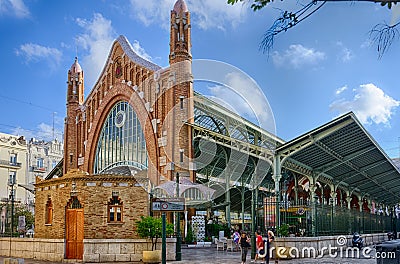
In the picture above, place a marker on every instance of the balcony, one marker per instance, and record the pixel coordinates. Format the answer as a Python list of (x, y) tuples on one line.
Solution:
[(38, 169), (10, 164)]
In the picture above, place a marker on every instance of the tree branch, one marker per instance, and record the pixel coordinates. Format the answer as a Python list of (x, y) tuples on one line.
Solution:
[(383, 36)]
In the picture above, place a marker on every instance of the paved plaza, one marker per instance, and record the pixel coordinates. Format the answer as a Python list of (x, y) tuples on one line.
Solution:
[(211, 255)]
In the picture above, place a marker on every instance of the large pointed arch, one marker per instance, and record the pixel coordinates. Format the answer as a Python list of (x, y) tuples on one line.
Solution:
[(121, 140), (125, 93)]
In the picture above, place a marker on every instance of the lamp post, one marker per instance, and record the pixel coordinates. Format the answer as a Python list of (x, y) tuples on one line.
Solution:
[(178, 255), (11, 183), (331, 201)]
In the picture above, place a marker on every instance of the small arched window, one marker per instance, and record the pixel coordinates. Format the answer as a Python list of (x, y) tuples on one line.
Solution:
[(115, 210), (49, 212)]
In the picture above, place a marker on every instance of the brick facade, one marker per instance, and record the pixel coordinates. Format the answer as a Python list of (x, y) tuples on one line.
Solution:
[(162, 99)]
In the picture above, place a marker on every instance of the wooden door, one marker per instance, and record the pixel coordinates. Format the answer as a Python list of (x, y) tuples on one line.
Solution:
[(74, 233)]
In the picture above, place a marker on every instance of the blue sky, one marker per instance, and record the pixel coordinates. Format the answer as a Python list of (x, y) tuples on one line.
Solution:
[(323, 67)]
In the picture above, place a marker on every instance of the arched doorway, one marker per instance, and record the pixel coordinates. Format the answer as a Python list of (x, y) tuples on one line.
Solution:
[(74, 229)]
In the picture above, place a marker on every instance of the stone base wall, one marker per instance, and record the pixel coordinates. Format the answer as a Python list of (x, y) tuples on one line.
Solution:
[(95, 250), (117, 250), (322, 243), (33, 248)]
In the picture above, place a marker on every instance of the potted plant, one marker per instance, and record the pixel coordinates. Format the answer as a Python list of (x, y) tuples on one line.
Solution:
[(283, 231), (151, 227), (189, 239)]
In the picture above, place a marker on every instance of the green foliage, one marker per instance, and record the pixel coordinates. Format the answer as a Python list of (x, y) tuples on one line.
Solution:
[(213, 229), (207, 239), (29, 217), (189, 236), (283, 230), (151, 227), (19, 210), (259, 4)]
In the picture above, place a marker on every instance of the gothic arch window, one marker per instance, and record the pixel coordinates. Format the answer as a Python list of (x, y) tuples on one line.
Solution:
[(126, 72), (74, 203), (132, 75), (115, 210), (108, 81), (49, 212), (137, 79), (118, 70), (98, 98), (121, 140)]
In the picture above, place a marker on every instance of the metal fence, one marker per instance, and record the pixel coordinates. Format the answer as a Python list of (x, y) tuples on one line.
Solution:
[(333, 220)]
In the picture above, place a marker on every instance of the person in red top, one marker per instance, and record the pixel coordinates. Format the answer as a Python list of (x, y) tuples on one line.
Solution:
[(259, 245)]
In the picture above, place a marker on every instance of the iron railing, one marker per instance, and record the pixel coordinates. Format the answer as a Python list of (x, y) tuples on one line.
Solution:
[(9, 163)]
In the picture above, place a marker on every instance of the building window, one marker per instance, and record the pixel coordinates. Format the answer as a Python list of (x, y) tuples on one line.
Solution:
[(122, 141), (115, 210), (13, 159), (181, 101), (54, 163), (49, 212), (181, 153), (40, 163)]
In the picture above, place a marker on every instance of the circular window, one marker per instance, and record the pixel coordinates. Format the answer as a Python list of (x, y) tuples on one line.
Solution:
[(120, 119)]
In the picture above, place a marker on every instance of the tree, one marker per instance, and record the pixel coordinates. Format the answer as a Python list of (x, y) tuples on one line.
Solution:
[(29, 217), (382, 35), (151, 227)]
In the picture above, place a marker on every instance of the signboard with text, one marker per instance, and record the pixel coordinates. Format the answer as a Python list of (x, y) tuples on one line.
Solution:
[(168, 204)]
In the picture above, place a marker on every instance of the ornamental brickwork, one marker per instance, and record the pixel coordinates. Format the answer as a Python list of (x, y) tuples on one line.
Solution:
[(162, 101)]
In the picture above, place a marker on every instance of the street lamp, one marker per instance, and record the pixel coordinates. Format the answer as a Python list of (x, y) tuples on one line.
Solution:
[(11, 183), (178, 256)]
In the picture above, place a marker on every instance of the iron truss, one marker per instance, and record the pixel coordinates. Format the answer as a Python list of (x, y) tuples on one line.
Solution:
[(340, 153)]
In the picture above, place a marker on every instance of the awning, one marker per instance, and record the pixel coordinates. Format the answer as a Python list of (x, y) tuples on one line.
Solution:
[(343, 153)]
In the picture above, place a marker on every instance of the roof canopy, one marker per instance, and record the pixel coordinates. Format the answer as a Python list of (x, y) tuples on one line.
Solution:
[(343, 153)]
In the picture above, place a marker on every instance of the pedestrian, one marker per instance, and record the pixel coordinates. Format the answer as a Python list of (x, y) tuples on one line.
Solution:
[(235, 238), (270, 239), (244, 242), (259, 246)]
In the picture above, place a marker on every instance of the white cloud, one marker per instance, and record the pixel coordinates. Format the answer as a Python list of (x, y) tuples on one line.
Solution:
[(368, 43), (395, 14), (341, 90), (205, 14), (241, 95), (97, 39), (43, 132), (297, 55), (345, 53), (369, 103), (16, 8), (140, 51), (34, 52)]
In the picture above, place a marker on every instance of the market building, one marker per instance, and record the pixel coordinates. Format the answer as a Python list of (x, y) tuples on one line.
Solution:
[(141, 125)]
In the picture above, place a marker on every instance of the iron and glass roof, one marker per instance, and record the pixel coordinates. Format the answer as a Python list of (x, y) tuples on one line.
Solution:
[(343, 153)]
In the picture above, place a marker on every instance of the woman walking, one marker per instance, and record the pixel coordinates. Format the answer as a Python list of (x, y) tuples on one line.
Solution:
[(244, 242)]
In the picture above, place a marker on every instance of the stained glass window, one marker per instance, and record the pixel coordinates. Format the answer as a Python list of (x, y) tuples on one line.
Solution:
[(121, 141)]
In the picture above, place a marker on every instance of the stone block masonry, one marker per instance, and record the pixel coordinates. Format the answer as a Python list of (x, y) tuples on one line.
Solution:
[(95, 250)]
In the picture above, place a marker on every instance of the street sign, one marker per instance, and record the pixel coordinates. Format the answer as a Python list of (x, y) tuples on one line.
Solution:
[(168, 204)]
